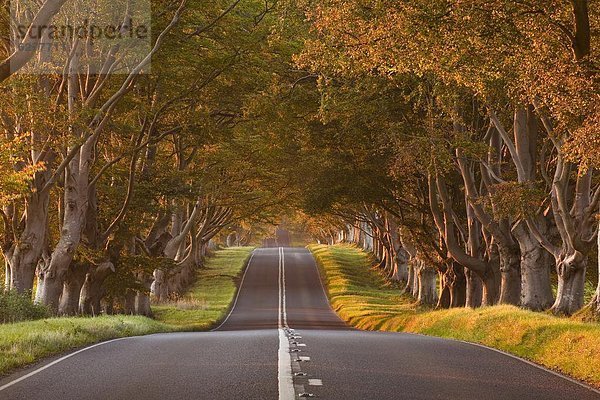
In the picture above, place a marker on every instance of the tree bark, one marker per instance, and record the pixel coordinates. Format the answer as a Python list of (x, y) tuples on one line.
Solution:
[(69, 300), (410, 284), (23, 256), (19, 58), (92, 290), (53, 273), (427, 285), (491, 285), (510, 270), (536, 292), (571, 284), (129, 302), (474, 289), (142, 300), (416, 284)]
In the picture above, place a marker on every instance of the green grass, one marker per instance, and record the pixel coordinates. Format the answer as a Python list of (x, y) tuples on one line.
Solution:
[(362, 297), (22, 343), (209, 299)]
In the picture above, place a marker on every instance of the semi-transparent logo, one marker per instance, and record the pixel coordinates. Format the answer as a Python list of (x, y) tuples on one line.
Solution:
[(96, 37)]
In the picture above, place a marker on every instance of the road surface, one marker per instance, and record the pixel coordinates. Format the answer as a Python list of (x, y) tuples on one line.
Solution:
[(282, 341)]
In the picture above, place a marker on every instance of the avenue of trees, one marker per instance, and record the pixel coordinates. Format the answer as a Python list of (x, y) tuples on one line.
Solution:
[(457, 140), (113, 184)]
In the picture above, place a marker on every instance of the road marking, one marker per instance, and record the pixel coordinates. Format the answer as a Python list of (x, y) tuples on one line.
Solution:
[(283, 299), (237, 295), (285, 379), (32, 373), (315, 382), (286, 383)]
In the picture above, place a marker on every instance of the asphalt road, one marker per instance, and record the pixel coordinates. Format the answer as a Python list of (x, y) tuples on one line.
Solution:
[(282, 341)]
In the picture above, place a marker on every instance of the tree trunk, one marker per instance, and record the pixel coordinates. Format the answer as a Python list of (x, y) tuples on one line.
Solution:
[(510, 270), (536, 292), (24, 255), (427, 286), (410, 284), (69, 300), (160, 288), (92, 290), (129, 302), (7, 278), (571, 284), (142, 300), (415, 280), (474, 289), (452, 286), (444, 298), (458, 288), (142, 305), (54, 272), (401, 266), (491, 288)]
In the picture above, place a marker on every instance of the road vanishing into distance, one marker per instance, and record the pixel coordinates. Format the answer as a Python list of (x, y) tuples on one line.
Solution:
[(282, 341)]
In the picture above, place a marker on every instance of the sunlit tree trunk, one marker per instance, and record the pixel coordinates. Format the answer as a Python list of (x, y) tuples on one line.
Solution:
[(474, 289), (427, 294), (23, 256), (52, 275)]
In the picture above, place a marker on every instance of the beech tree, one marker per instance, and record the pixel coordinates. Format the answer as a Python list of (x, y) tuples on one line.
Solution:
[(512, 91)]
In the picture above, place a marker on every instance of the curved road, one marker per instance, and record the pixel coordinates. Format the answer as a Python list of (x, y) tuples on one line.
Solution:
[(282, 341)]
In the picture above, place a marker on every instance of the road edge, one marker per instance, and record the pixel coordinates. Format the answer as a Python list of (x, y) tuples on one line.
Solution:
[(559, 374)]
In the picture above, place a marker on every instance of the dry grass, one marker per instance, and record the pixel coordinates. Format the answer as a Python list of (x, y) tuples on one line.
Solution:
[(362, 297)]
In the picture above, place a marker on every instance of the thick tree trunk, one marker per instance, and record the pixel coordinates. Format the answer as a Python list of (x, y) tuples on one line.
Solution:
[(92, 290), (69, 300), (142, 305), (24, 255), (129, 302), (571, 284), (474, 289), (510, 270), (452, 287), (536, 292), (444, 299), (142, 300), (491, 288), (53, 273), (231, 239), (427, 286), (458, 289), (401, 266), (160, 288)]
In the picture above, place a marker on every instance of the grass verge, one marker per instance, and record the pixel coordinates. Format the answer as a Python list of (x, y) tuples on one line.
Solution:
[(23, 343), (209, 299), (363, 298)]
